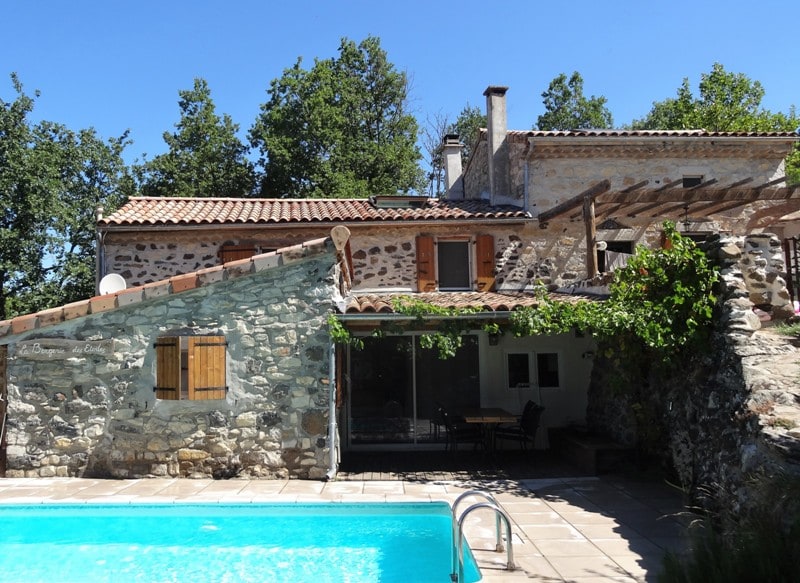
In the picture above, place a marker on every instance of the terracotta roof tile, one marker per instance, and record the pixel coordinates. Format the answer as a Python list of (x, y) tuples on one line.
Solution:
[(378, 303), (622, 133), (144, 211)]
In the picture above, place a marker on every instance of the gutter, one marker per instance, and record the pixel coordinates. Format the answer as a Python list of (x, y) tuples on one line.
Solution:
[(373, 316), (307, 225), (333, 429)]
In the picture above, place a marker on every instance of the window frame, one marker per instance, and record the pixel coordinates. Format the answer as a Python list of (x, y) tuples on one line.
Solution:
[(191, 367), (534, 369), (468, 244), (480, 257)]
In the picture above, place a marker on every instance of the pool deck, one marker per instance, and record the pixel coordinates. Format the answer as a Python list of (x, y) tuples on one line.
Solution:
[(576, 529)]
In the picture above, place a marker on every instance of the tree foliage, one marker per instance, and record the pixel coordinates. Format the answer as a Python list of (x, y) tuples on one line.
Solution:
[(566, 107), (51, 182), (205, 156), (338, 129)]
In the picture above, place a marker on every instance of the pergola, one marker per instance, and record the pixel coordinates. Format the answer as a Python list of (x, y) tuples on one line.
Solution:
[(672, 201)]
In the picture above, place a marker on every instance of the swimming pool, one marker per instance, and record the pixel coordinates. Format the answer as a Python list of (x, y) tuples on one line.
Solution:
[(339, 542)]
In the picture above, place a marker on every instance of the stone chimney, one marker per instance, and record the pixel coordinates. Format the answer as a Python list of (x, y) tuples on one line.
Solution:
[(497, 146), (453, 176)]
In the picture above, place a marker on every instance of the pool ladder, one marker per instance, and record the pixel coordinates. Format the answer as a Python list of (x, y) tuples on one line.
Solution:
[(457, 573)]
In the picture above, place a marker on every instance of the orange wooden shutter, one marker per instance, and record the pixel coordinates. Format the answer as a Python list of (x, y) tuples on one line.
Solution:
[(236, 252), (426, 266), (168, 368), (206, 367), (484, 259)]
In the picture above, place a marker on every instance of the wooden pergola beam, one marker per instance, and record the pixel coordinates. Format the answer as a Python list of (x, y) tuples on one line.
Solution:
[(575, 201)]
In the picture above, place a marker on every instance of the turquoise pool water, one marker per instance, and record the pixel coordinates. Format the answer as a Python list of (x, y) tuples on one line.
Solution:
[(221, 543)]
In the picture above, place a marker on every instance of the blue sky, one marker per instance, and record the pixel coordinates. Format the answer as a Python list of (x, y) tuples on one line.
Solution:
[(116, 65)]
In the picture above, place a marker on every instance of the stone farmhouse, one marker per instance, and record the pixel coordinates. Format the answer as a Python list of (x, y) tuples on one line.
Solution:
[(215, 356)]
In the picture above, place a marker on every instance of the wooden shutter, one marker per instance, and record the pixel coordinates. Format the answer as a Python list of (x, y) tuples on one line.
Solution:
[(168, 368), (236, 252), (426, 264), (206, 363), (484, 262)]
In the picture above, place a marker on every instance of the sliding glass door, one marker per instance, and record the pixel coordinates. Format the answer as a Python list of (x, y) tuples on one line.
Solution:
[(396, 386)]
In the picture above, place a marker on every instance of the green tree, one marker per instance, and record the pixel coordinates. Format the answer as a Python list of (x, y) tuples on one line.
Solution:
[(339, 129), (205, 156), (51, 181), (726, 102), (566, 107), (467, 125)]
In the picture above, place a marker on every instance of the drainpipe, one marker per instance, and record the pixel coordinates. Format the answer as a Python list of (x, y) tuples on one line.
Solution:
[(333, 434)]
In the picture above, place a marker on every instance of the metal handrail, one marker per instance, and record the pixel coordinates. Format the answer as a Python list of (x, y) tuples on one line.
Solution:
[(488, 496), (457, 574)]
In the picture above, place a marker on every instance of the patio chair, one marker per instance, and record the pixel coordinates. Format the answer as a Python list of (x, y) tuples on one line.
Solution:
[(525, 431), (459, 431), (437, 426)]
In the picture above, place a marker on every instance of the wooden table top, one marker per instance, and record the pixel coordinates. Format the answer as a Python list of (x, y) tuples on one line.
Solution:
[(489, 415)]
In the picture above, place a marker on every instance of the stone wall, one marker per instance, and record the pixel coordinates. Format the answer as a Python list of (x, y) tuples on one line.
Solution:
[(385, 258), (733, 411), (95, 414)]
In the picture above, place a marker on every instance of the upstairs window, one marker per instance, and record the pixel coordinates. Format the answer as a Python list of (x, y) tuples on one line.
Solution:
[(452, 260), (455, 264), (235, 252), (190, 368), (690, 181)]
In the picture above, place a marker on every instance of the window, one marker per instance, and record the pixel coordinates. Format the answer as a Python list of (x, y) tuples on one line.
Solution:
[(190, 368), (235, 252), (690, 181), (614, 255), (518, 369), (455, 265), (547, 369), (452, 261)]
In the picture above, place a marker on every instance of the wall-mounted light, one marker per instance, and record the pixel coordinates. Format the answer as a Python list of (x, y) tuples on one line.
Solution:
[(588, 355)]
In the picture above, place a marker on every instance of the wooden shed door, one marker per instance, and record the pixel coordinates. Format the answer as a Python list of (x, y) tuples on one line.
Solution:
[(3, 409)]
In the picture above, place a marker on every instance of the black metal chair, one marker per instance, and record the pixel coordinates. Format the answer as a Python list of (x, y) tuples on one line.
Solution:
[(458, 431), (523, 432)]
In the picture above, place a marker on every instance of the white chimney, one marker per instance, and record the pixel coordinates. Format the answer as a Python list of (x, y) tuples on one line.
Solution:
[(453, 178), (498, 148)]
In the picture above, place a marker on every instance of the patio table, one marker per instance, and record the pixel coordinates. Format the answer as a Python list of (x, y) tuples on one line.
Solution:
[(489, 418)]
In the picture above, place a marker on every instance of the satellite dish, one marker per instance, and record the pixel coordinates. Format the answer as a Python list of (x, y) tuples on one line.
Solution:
[(112, 283)]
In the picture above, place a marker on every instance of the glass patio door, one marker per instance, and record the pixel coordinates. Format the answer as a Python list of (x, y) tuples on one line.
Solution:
[(395, 387)]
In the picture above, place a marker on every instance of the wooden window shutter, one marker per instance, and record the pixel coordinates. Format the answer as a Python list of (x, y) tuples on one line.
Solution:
[(206, 363), (484, 260), (236, 252), (168, 368), (426, 264)]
